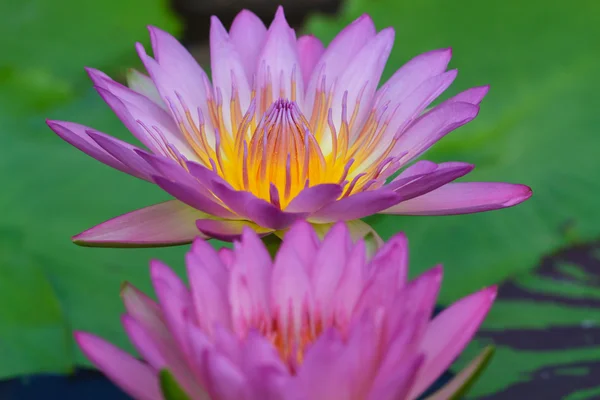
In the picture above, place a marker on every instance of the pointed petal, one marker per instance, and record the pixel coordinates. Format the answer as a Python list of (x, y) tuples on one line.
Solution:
[(248, 34), (76, 135), (208, 294), (257, 210), (472, 96), (143, 309), (445, 172), (386, 275), (360, 78), (291, 294), (228, 75), (170, 223), (302, 239), (328, 267), (413, 105), (176, 303), (278, 63), (340, 52), (146, 120), (314, 198), (356, 206), (134, 377), (226, 381), (310, 50), (228, 230), (418, 70), (123, 152), (434, 125), (194, 197), (142, 84), (464, 198), (249, 283), (181, 82), (449, 333), (144, 343)]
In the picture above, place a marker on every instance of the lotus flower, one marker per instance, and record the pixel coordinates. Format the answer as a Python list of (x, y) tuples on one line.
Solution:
[(286, 130), (320, 322)]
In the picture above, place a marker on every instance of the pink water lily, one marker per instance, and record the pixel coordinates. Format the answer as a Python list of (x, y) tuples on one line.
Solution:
[(319, 322), (287, 129)]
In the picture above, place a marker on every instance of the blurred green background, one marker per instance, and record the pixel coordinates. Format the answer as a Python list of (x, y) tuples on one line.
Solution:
[(539, 125)]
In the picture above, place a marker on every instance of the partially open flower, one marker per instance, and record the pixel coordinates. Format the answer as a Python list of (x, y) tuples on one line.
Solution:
[(287, 129), (320, 322)]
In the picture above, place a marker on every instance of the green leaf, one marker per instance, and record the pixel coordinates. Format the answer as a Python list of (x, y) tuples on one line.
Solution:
[(170, 388), (461, 383), (537, 126), (51, 191), (545, 325), (32, 316)]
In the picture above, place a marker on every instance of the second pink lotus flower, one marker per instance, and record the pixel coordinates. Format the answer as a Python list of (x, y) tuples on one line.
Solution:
[(320, 322), (286, 130)]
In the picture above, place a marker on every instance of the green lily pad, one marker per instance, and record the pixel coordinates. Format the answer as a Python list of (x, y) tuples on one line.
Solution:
[(48, 286), (545, 326)]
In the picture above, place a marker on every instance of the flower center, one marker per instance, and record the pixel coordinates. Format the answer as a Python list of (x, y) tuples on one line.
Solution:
[(274, 151)]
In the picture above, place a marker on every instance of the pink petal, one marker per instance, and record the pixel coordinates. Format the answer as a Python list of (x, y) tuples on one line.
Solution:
[(267, 375), (310, 50), (314, 198), (449, 333), (146, 120), (179, 79), (175, 301), (418, 300), (316, 377), (414, 104), (142, 84), (472, 96), (356, 206), (434, 125), (291, 292), (257, 210), (360, 79), (143, 342), (340, 52), (328, 268), (76, 135), (302, 240), (398, 385), (228, 73), (143, 309), (445, 172), (228, 230), (194, 197), (278, 63), (167, 168), (248, 34), (416, 71), (226, 381), (209, 293), (387, 273), (133, 376), (249, 283), (165, 224), (123, 152), (412, 173), (351, 284), (464, 198), (204, 254)]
